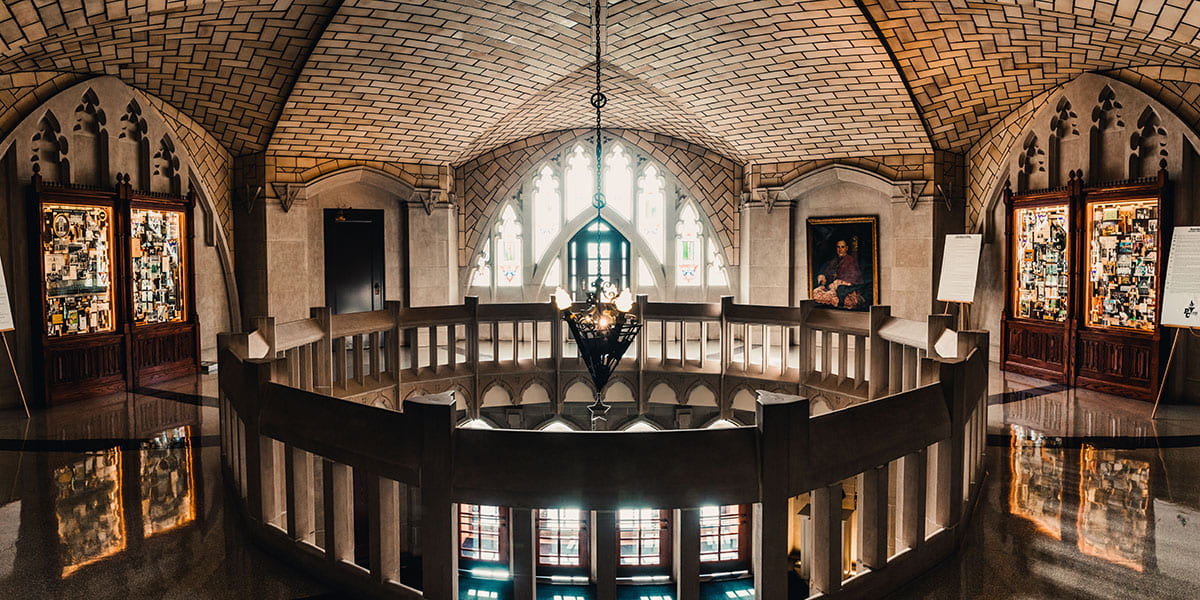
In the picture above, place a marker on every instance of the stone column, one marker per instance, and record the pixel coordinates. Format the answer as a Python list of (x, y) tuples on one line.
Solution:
[(766, 251), (433, 254), (604, 553)]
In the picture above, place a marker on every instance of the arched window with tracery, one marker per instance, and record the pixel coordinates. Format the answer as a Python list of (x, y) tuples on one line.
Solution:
[(665, 240)]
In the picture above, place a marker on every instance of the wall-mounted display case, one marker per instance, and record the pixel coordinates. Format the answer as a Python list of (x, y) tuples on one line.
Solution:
[(1085, 277), (77, 256), (158, 268), (115, 294)]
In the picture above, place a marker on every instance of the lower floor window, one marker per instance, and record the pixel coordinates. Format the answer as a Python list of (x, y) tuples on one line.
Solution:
[(479, 532), (640, 535), (560, 534), (720, 533)]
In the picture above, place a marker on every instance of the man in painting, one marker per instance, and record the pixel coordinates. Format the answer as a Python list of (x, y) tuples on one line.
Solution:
[(839, 279)]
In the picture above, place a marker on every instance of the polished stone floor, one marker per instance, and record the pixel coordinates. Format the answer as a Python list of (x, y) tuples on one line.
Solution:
[(121, 497)]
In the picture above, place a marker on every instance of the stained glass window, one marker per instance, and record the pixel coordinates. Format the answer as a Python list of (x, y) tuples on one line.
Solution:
[(508, 249), (547, 211), (651, 211), (688, 240)]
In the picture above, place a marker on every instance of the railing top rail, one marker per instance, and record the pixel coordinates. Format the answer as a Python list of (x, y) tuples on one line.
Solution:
[(854, 323), (523, 311), (352, 324), (426, 316), (297, 333), (687, 311), (906, 332)]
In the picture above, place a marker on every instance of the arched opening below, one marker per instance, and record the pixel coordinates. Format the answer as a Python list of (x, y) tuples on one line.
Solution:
[(598, 250)]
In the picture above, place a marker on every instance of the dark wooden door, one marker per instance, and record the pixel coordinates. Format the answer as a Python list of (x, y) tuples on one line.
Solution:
[(353, 260)]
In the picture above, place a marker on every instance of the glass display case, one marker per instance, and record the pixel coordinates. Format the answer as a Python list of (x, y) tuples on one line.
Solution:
[(158, 266), (77, 257), (1042, 269), (1122, 257)]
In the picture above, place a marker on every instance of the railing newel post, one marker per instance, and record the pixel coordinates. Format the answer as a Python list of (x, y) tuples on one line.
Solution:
[(878, 378)]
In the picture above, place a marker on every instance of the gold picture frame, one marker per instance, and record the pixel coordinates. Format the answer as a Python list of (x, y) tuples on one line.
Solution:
[(834, 282)]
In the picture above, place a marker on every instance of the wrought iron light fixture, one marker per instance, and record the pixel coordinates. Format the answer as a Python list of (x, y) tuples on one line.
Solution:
[(604, 326)]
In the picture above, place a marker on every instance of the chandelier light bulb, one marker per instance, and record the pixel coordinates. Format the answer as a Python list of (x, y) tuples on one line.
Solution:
[(624, 301), (562, 300)]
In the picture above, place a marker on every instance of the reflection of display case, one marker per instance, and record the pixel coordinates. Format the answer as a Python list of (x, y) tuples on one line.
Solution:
[(91, 524), (1085, 276), (1114, 507), (115, 294), (1036, 491), (167, 493)]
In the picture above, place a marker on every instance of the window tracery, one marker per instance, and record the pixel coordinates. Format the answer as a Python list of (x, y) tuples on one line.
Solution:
[(671, 244)]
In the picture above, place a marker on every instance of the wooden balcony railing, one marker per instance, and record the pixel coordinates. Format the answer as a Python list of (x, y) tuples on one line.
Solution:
[(339, 434)]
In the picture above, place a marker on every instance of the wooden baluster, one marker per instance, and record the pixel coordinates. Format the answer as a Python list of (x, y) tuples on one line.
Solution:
[(911, 498), (292, 361), (339, 362), (895, 368), (433, 349), (300, 495), (860, 361), (785, 349), (842, 356), (339, 512), (874, 517), (747, 346), (383, 517), (911, 365), (359, 362), (376, 356), (306, 367), (495, 342), (826, 353), (704, 325), (516, 343), (766, 349), (663, 342), (827, 538)]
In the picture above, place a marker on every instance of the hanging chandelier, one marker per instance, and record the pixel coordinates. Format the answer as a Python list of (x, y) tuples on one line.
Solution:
[(604, 325)]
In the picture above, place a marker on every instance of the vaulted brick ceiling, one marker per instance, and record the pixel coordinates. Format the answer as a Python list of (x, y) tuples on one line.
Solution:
[(443, 80)]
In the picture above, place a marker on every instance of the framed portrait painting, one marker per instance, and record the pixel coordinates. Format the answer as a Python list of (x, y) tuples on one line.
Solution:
[(843, 261)]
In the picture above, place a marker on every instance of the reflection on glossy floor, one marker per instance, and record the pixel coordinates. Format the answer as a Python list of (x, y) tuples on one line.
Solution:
[(121, 497), (1086, 498)]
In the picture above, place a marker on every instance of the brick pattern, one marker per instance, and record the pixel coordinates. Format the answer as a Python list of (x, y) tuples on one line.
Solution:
[(226, 65), (773, 80), (902, 167), (1177, 88), (483, 183), (21, 93), (212, 164), (972, 63), (283, 168), (988, 159)]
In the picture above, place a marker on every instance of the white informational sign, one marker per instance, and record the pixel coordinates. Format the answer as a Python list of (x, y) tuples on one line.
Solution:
[(1181, 289), (960, 268), (6, 319)]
